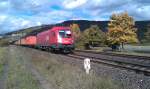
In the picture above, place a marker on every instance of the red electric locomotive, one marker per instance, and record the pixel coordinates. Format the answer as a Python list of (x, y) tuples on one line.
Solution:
[(56, 39)]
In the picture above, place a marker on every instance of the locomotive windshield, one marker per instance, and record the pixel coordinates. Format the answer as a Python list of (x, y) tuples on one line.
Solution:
[(65, 33)]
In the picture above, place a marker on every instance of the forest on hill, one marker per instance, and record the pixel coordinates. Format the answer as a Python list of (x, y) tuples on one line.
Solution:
[(84, 24)]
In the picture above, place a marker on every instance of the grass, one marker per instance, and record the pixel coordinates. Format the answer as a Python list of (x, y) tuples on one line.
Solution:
[(96, 49), (64, 76), (2, 59), (133, 53), (4, 42), (137, 49), (19, 77), (134, 50)]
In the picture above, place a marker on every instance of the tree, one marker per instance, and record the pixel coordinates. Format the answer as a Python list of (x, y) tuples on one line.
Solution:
[(76, 31), (121, 29), (147, 34), (93, 36)]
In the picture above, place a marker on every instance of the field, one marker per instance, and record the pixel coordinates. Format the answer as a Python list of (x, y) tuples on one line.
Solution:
[(22, 68), (140, 49), (14, 73)]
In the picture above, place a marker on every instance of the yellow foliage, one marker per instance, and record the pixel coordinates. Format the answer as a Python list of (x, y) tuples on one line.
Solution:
[(121, 29), (75, 30)]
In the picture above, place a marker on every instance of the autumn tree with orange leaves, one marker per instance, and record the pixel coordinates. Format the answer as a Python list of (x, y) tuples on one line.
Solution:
[(76, 31), (121, 30)]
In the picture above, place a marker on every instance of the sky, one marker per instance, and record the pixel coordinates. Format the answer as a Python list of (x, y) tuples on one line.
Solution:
[(18, 14)]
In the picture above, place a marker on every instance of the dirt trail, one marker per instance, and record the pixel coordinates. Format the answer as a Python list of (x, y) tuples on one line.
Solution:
[(4, 72), (12, 51), (43, 82), (4, 76)]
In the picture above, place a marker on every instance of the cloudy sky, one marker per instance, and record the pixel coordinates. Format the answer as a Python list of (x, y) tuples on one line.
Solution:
[(17, 14)]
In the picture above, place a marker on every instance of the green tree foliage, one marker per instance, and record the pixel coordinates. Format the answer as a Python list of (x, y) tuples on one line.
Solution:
[(147, 34), (76, 31), (93, 36), (121, 29)]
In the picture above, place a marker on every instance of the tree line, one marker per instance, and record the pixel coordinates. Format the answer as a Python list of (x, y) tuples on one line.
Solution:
[(121, 30)]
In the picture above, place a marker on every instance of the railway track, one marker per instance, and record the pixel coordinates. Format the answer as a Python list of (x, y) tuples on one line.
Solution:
[(137, 67), (145, 60), (119, 55)]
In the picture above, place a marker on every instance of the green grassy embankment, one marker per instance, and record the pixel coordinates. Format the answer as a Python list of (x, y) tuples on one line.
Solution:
[(19, 77), (2, 59), (65, 76)]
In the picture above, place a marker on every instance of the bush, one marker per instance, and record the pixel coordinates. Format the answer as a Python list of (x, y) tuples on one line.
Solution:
[(4, 42)]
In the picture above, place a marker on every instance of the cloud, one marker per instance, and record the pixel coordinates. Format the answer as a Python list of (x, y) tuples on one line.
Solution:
[(18, 14), (71, 4), (12, 23), (105, 8), (17, 23), (32, 6), (51, 17), (2, 18), (4, 6), (39, 23), (98, 4)]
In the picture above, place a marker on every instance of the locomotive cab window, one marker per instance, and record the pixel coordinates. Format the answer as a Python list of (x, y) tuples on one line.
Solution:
[(65, 33)]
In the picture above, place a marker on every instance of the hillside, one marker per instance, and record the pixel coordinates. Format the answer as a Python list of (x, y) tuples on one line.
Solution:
[(83, 24)]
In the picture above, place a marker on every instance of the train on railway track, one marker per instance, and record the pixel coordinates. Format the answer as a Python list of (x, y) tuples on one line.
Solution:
[(58, 38)]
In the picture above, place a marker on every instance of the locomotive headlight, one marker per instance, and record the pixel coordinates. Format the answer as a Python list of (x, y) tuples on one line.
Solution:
[(68, 32), (59, 39)]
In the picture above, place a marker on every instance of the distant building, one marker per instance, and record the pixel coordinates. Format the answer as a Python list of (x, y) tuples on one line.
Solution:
[(18, 34)]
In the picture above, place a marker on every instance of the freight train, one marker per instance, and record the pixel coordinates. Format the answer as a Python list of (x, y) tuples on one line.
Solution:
[(58, 38)]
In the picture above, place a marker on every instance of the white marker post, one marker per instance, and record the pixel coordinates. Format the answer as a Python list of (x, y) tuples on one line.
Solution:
[(87, 65)]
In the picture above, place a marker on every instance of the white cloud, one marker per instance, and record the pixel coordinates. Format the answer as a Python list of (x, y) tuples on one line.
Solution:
[(35, 2), (17, 14), (139, 12), (4, 6), (71, 4), (39, 23), (52, 16), (145, 10), (2, 18), (11, 23), (25, 23), (4, 3), (18, 23)]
